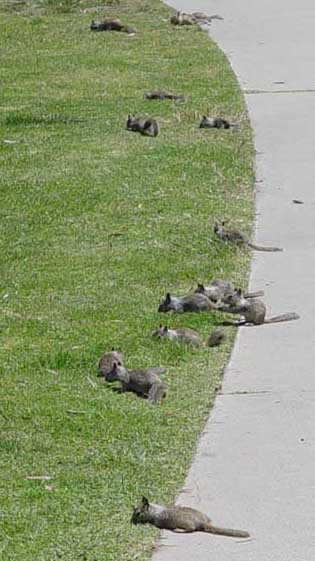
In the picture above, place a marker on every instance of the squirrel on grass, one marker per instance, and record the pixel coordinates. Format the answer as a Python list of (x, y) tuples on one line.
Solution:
[(111, 25), (145, 382), (146, 126), (189, 336), (190, 303), (219, 290)]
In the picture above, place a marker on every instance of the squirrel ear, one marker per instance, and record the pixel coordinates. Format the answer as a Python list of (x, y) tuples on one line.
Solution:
[(145, 502), (168, 297), (222, 223), (201, 286), (165, 329)]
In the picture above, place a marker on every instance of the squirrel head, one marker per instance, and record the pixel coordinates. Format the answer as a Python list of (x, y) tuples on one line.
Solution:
[(139, 515), (236, 299), (165, 304), (200, 289), (203, 122), (118, 372), (219, 228), (160, 331)]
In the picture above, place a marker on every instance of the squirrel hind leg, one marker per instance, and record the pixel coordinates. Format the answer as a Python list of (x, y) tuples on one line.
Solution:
[(157, 392)]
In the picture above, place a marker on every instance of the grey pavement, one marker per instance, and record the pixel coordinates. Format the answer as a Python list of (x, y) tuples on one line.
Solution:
[(254, 468)]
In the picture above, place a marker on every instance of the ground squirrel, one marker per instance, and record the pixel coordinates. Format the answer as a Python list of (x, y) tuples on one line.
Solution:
[(253, 311), (179, 518), (234, 236), (190, 303), (163, 95), (189, 336), (218, 290), (183, 18), (217, 123), (146, 126), (111, 25), (144, 382)]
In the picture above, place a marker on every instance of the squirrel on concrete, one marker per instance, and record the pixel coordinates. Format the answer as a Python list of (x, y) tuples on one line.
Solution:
[(218, 290), (190, 303), (144, 382), (160, 94), (189, 336), (253, 311), (146, 126), (179, 518), (217, 123), (111, 25), (234, 236), (183, 18)]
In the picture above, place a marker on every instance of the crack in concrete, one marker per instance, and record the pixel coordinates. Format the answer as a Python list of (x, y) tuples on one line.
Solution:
[(250, 92), (250, 392)]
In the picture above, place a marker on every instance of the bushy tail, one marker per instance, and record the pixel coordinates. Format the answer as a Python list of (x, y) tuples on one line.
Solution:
[(216, 337), (216, 16), (263, 247), (284, 317), (226, 532), (254, 294), (156, 370)]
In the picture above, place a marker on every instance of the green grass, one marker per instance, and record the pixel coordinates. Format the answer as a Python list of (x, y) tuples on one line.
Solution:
[(97, 223)]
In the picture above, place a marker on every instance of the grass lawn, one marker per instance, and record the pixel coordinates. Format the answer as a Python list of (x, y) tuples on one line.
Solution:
[(97, 223)]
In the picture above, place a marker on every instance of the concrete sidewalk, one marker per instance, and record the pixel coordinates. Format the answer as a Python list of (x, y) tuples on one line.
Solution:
[(255, 464)]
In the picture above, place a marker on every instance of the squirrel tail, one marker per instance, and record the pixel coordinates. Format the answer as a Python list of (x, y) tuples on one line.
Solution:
[(226, 532), (216, 16), (157, 370), (216, 337), (254, 294), (284, 317), (263, 247)]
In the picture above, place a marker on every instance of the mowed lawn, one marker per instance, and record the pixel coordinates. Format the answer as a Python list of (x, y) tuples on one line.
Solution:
[(97, 223)]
